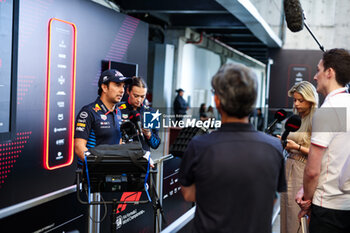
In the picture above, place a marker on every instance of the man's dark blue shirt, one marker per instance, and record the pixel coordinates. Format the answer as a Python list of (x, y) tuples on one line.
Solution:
[(236, 171), (96, 124)]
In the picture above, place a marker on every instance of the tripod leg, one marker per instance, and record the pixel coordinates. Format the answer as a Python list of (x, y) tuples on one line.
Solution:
[(114, 217), (94, 214), (157, 207), (154, 205)]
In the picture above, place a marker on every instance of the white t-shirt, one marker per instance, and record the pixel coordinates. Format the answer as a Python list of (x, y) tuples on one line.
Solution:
[(344, 178), (331, 130)]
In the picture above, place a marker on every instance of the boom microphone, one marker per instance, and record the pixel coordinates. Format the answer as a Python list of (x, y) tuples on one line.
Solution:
[(294, 15), (293, 124), (295, 18), (280, 115)]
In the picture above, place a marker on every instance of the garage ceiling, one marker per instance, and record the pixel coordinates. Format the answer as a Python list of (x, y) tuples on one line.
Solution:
[(233, 22)]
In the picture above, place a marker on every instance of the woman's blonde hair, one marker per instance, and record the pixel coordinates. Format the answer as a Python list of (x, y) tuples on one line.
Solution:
[(308, 92)]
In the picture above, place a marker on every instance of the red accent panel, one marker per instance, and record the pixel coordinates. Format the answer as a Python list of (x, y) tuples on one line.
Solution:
[(46, 152)]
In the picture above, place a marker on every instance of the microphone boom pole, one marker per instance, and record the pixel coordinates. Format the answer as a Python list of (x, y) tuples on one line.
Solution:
[(295, 18), (313, 36)]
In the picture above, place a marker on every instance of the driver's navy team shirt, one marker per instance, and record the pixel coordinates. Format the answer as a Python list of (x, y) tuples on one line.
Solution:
[(96, 124)]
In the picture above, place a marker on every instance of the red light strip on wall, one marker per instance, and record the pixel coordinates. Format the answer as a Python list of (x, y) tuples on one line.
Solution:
[(70, 159)]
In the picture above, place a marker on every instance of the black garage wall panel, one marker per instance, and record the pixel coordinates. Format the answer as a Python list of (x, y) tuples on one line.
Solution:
[(289, 67), (102, 34)]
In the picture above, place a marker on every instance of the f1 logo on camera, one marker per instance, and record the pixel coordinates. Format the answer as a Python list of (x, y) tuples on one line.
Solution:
[(151, 120)]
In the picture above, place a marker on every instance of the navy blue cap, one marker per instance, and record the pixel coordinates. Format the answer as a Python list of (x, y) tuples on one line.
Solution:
[(113, 75)]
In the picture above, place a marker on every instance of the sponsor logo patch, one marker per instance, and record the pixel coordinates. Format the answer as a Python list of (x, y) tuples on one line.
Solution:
[(97, 108), (83, 115), (117, 73), (81, 129), (123, 106)]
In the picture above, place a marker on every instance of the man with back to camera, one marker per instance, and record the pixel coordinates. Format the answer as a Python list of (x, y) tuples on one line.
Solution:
[(137, 91), (329, 150), (99, 122), (233, 173)]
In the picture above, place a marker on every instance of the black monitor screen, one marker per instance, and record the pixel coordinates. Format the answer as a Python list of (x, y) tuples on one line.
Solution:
[(127, 69), (8, 66)]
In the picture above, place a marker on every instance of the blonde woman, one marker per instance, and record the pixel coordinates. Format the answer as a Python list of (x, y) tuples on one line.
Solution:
[(305, 102)]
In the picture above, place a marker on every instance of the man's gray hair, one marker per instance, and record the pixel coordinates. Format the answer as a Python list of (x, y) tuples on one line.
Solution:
[(236, 87)]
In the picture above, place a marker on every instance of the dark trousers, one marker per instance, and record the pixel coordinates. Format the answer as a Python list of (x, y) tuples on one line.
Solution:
[(324, 220)]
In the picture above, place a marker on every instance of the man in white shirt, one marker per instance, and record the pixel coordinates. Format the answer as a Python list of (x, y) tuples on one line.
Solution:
[(329, 150)]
